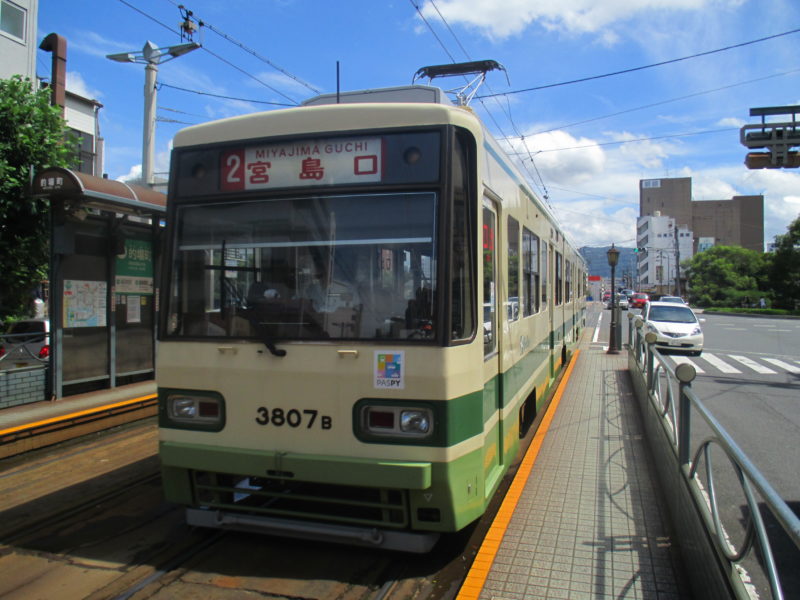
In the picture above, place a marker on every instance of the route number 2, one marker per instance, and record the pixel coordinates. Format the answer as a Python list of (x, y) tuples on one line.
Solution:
[(232, 169)]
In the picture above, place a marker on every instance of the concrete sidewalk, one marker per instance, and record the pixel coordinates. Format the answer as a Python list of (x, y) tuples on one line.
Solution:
[(588, 521)]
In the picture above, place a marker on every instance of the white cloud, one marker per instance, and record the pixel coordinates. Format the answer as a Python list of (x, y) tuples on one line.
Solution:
[(94, 44), (134, 175), (77, 85), (565, 167), (499, 20), (732, 122)]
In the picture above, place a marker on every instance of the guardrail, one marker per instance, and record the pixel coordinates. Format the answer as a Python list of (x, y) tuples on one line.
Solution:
[(721, 564)]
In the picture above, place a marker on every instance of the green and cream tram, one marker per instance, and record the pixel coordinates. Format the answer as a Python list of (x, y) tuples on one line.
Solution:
[(363, 307)]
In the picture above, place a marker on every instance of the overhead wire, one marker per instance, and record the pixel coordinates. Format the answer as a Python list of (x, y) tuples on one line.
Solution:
[(168, 28), (662, 102), (234, 41), (182, 89), (543, 188), (645, 139), (643, 67)]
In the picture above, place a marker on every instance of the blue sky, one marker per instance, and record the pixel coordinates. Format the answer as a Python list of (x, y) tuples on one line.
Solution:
[(585, 145)]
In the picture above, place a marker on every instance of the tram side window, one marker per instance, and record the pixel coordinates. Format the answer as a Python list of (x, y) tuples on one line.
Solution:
[(462, 286), (558, 282), (513, 270), (543, 262), (568, 282), (530, 277), (489, 262)]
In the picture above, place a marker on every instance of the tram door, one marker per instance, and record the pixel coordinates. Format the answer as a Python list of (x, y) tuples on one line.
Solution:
[(492, 385)]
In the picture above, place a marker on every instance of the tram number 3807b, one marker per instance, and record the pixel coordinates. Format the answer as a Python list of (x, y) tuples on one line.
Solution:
[(278, 417)]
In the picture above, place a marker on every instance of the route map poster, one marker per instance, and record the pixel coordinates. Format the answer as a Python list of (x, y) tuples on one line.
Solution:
[(85, 303)]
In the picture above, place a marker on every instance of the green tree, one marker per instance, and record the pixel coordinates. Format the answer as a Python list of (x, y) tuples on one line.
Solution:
[(33, 135), (784, 274), (727, 276)]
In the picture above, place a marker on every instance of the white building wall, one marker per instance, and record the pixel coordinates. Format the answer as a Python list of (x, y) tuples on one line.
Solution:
[(657, 266), (18, 42)]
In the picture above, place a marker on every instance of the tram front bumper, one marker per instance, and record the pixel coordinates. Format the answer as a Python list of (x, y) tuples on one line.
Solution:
[(304, 467)]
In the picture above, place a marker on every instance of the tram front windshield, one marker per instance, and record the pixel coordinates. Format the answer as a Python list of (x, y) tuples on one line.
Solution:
[(328, 267)]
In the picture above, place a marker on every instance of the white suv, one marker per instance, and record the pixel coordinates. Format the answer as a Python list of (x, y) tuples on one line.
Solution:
[(677, 327)]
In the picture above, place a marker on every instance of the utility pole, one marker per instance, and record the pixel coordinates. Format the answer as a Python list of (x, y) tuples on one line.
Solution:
[(677, 263), (151, 56)]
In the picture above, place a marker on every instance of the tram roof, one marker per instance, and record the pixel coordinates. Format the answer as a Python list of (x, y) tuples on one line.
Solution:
[(424, 94)]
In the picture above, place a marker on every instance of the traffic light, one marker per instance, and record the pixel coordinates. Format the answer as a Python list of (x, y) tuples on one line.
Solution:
[(763, 160)]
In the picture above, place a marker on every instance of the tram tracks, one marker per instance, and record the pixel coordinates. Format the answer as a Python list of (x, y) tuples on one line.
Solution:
[(110, 535), (88, 520)]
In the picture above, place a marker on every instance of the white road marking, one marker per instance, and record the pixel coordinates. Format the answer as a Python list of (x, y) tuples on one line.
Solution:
[(597, 328), (783, 365), (684, 360), (718, 363), (751, 364)]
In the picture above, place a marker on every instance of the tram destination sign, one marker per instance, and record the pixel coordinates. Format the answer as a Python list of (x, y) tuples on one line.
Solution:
[(334, 161)]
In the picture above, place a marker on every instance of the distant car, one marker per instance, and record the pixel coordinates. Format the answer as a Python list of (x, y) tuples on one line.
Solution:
[(676, 326), (606, 296), (675, 299), (639, 299), (622, 302), (25, 344)]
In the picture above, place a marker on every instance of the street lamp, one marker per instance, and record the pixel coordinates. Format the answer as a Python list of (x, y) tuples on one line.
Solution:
[(151, 56), (614, 333)]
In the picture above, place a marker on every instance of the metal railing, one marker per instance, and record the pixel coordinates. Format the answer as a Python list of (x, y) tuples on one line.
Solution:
[(673, 402)]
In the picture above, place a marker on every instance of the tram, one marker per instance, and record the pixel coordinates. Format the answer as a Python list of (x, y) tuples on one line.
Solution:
[(363, 308)]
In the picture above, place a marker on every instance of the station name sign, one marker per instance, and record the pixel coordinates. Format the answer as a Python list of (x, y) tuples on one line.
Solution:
[(302, 163)]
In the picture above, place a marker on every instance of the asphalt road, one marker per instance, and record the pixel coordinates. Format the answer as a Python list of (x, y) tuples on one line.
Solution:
[(749, 377)]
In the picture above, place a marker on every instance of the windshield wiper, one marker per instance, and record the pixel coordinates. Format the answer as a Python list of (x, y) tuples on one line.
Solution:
[(267, 340), (274, 350)]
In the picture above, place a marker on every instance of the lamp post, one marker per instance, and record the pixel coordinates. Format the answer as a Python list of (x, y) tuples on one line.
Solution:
[(614, 333), (151, 56)]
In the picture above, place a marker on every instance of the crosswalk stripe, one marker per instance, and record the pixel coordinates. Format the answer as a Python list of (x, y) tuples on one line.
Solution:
[(751, 364), (683, 360), (783, 365), (718, 363)]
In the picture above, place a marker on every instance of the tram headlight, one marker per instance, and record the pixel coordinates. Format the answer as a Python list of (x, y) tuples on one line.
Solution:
[(383, 421), (192, 410), (415, 421)]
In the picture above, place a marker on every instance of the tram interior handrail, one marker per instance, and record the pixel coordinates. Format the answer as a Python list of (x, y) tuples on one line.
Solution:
[(661, 381)]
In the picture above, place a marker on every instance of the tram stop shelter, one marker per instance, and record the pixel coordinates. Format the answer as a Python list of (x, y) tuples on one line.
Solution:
[(104, 250)]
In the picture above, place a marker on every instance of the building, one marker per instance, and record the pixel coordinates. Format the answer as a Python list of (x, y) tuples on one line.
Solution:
[(18, 21), (735, 222), (81, 115), (667, 245)]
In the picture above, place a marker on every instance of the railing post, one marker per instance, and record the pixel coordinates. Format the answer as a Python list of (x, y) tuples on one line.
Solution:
[(650, 339), (685, 374)]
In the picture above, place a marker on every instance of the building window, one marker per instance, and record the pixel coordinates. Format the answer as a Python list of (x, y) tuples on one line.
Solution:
[(12, 19), (651, 183), (84, 151)]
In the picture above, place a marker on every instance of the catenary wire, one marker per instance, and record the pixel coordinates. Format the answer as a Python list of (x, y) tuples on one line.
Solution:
[(643, 67), (543, 186), (175, 87), (647, 139), (662, 102), (168, 28), (249, 50)]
